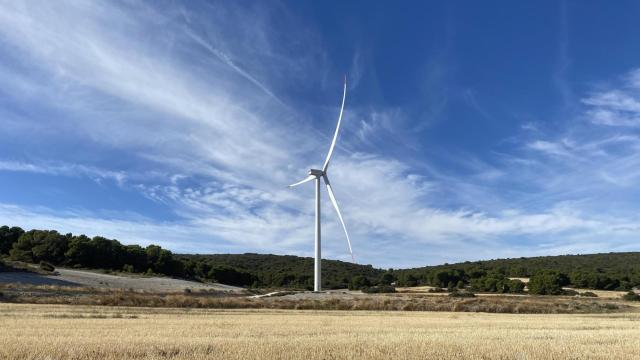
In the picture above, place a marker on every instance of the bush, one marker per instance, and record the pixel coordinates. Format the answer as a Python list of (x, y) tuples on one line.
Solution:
[(588, 294), (381, 289), (570, 292), (462, 294), (631, 296), (46, 266)]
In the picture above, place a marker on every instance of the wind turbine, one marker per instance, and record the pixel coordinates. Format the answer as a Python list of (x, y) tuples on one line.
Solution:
[(315, 174)]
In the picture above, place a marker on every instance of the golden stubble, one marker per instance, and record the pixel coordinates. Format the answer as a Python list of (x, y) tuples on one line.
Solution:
[(99, 332)]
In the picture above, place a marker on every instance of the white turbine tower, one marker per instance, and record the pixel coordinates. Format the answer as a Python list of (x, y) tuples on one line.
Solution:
[(315, 174)]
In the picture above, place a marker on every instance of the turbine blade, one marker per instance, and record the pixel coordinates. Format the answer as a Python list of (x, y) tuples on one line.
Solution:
[(308, 178), (335, 206), (335, 135)]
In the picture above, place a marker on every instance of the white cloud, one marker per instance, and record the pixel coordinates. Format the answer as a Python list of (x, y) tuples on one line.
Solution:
[(616, 106), (194, 107), (62, 169)]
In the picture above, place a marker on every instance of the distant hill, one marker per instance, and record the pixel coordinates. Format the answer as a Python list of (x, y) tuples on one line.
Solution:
[(598, 271), (619, 271), (526, 266), (284, 270)]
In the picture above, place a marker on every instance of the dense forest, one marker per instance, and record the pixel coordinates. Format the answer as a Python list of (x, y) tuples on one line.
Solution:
[(80, 251), (282, 270), (612, 271)]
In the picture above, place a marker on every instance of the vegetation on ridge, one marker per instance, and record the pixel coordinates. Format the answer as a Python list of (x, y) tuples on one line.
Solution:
[(549, 274), (80, 251)]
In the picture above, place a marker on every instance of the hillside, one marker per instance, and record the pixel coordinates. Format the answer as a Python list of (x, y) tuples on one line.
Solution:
[(611, 271), (282, 270), (606, 271), (603, 262), (82, 252)]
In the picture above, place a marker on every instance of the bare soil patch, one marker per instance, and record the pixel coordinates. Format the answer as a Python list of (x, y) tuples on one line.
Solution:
[(72, 277)]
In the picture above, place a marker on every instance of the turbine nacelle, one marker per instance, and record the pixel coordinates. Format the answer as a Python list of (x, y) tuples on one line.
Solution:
[(315, 172)]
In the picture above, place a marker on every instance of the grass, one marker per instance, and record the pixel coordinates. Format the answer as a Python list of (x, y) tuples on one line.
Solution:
[(48, 294), (100, 332)]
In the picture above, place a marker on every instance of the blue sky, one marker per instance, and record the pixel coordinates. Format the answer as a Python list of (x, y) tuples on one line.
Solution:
[(471, 131)]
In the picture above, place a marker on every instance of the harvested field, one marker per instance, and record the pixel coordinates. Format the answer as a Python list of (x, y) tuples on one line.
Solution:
[(90, 332)]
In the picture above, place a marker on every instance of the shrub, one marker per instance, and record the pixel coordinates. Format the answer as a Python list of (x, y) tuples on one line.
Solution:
[(570, 292), (515, 286), (631, 296), (46, 266), (588, 294), (462, 294), (379, 289)]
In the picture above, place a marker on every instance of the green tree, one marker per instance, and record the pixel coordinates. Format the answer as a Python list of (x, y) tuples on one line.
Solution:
[(136, 257), (8, 236), (407, 280), (38, 245), (387, 278), (231, 276), (80, 252), (495, 281), (107, 254), (547, 282), (51, 247), (359, 282), (159, 259)]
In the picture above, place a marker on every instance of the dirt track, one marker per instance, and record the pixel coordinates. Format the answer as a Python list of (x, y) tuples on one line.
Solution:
[(69, 277)]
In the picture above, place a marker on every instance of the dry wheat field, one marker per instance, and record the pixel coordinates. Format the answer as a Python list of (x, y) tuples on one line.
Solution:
[(100, 332)]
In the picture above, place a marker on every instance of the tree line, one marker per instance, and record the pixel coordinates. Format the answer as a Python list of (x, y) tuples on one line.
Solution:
[(80, 251), (613, 271), (249, 270), (610, 271)]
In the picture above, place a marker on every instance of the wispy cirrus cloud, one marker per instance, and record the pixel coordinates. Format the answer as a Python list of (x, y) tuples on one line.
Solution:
[(207, 112), (71, 170), (617, 106)]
